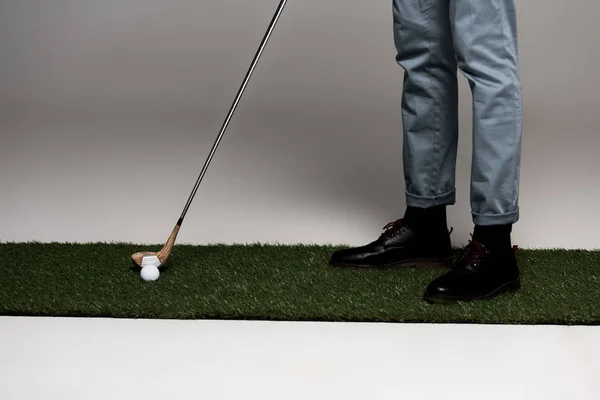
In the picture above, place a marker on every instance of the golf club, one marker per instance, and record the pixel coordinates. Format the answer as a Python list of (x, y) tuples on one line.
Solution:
[(160, 258)]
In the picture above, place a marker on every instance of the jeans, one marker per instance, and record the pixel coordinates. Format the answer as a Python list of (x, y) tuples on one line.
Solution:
[(435, 39)]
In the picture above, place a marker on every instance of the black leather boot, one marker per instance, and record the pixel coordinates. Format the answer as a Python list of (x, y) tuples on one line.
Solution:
[(477, 274), (400, 246)]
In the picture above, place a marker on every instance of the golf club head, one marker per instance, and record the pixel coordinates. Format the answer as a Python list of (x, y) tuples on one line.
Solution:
[(159, 258), (144, 258)]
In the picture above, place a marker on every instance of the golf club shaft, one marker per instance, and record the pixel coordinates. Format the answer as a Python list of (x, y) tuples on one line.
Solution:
[(233, 107)]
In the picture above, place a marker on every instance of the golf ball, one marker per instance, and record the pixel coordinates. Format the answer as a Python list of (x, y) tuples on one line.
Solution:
[(150, 273)]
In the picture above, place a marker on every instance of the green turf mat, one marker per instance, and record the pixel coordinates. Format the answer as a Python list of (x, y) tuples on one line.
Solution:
[(278, 283)]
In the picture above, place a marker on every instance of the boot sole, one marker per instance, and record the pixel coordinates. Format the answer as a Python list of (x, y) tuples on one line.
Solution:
[(421, 263), (509, 287)]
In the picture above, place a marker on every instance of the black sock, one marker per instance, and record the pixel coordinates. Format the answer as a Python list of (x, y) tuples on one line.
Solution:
[(420, 219), (494, 237)]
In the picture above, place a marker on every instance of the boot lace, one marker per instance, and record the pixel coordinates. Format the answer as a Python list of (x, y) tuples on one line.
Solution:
[(473, 252), (396, 226), (392, 228)]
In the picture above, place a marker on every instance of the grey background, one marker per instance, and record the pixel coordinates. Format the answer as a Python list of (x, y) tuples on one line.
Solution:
[(109, 108)]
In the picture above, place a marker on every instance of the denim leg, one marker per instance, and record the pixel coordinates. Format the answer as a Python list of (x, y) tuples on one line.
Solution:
[(485, 42), (423, 39)]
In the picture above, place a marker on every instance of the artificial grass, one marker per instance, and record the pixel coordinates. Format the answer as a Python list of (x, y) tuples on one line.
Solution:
[(277, 282)]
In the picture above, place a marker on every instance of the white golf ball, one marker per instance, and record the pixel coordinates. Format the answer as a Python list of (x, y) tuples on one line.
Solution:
[(150, 273)]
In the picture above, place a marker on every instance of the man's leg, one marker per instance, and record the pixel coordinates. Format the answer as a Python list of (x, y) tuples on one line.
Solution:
[(423, 40), (485, 36), (425, 50)]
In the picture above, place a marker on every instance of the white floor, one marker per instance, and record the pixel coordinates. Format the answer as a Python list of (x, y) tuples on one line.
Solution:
[(62, 358)]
